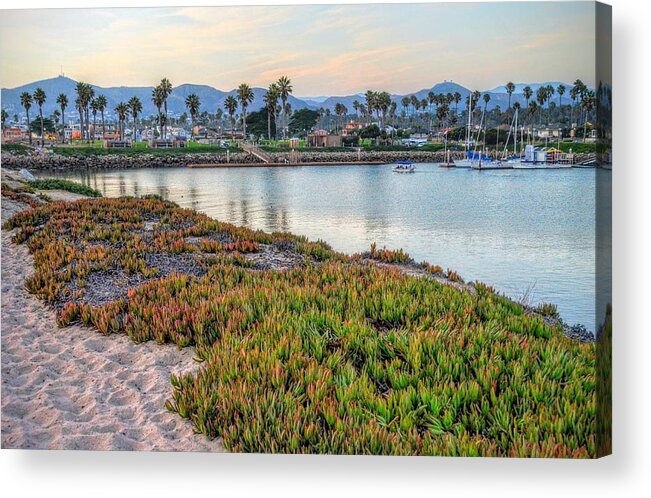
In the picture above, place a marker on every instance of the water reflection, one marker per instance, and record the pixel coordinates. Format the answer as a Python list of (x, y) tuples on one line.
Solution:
[(512, 229)]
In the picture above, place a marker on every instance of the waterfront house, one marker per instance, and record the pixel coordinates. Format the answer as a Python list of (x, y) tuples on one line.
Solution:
[(321, 138)]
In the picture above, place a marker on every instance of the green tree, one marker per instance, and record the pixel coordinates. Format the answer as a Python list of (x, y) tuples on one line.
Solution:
[(4, 118), (588, 103), (256, 122), (271, 104), (135, 107), (48, 126), (303, 120), (510, 88), (26, 102), (340, 110), (487, 99), (40, 98), (284, 90), (528, 93), (102, 103), (165, 91), (245, 96), (371, 102), (121, 110), (158, 99), (457, 99), (193, 104), (230, 104)]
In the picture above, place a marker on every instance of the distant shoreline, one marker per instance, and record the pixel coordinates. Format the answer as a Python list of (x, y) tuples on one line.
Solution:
[(54, 162)]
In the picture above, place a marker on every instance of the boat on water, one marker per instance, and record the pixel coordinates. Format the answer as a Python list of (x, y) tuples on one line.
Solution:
[(404, 167)]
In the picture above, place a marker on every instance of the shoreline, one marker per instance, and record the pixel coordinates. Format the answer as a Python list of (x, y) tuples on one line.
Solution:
[(55, 162)]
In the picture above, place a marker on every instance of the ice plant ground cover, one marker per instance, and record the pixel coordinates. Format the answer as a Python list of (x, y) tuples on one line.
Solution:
[(326, 354)]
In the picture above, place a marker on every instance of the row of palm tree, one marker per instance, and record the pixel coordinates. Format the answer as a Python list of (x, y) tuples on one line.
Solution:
[(377, 104)]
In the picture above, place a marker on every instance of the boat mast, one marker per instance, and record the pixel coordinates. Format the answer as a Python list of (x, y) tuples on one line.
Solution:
[(469, 125)]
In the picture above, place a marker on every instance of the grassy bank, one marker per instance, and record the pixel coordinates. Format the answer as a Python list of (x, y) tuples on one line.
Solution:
[(329, 355), (67, 185), (96, 149)]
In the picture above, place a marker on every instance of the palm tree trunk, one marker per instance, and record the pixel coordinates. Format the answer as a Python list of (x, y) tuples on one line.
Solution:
[(103, 130), (165, 125), (29, 129), (244, 122), (81, 123), (40, 112), (63, 124), (268, 125)]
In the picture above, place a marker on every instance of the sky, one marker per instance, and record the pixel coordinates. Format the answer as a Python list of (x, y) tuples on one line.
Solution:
[(324, 49)]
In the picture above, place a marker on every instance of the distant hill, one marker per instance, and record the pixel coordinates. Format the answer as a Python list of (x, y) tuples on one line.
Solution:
[(213, 99)]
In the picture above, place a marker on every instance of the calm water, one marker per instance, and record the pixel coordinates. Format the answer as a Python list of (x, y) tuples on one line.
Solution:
[(520, 231)]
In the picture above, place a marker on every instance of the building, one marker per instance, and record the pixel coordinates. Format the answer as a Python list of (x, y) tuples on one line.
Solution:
[(321, 138), (351, 128)]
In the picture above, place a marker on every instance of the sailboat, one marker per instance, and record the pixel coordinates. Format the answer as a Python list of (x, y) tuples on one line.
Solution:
[(504, 162), (467, 162)]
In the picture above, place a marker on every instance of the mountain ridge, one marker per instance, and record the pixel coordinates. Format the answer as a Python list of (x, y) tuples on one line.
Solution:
[(213, 98)]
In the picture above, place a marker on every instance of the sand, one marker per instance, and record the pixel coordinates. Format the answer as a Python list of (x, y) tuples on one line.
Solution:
[(74, 388)]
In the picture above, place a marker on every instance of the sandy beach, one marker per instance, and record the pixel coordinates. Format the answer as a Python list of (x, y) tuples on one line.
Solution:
[(74, 388)]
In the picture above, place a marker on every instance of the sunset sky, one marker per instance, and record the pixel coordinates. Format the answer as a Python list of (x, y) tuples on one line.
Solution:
[(325, 50)]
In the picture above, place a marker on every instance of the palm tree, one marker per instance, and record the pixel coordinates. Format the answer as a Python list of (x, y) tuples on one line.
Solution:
[(135, 106), (101, 107), (532, 108), (383, 102), (26, 102), (193, 104), (158, 99), (341, 110), (541, 97), (528, 93), (415, 103), (80, 105), (284, 90), (121, 110), (577, 91), (370, 97), (94, 109), (356, 106), (39, 98), (587, 104), (487, 99), (4, 116), (560, 89), (62, 100), (457, 99), (405, 101), (510, 88), (230, 104), (271, 104), (245, 96), (165, 91)]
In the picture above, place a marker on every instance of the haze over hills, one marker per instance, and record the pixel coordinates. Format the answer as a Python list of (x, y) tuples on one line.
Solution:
[(213, 99)]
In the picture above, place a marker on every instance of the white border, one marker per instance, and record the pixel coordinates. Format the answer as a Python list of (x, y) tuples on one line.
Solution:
[(117, 474)]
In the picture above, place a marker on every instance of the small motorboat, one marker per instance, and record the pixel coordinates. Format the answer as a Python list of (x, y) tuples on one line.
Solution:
[(404, 167)]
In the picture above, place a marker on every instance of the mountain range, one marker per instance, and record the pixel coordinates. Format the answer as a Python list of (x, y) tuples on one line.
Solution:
[(213, 99)]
